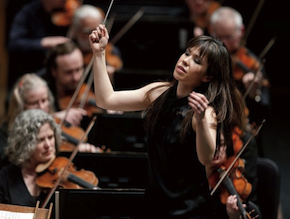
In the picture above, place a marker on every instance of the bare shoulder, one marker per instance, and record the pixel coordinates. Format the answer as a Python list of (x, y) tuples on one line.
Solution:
[(155, 89)]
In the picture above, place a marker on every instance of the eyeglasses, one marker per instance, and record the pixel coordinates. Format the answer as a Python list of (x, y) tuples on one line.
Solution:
[(229, 37), (37, 104)]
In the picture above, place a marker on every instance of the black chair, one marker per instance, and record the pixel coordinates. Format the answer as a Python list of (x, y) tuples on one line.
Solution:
[(268, 188)]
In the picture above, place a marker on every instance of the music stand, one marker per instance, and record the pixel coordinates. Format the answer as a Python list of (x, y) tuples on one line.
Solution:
[(39, 213), (101, 203)]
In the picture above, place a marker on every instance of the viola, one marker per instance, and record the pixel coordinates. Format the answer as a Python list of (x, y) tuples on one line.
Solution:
[(202, 20), (71, 178), (111, 58), (243, 63), (58, 172), (63, 17), (72, 135), (89, 103), (234, 182)]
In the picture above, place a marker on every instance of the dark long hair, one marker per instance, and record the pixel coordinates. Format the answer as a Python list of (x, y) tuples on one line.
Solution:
[(221, 90)]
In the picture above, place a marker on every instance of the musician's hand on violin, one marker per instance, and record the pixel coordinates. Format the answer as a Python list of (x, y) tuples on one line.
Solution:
[(198, 103), (74, 115), (51, 41), (258, 81), (99, 39), (89, 148), (232, 207)]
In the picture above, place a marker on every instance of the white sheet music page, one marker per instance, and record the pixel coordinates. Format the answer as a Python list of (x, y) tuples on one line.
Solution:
[(15, 215)]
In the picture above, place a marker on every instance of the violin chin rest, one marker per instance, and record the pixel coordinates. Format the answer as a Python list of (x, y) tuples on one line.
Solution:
[(43, 166)]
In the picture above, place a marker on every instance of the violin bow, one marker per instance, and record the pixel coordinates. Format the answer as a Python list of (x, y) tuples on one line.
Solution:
[(73, 154), (261, 57), (237, 157), (89, 66), (253, 20), (128, 25), (86, 71)]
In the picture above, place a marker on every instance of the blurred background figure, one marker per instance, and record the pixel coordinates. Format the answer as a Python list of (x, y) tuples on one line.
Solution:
[(226, 24), (85, 19), (199, 12), (64, 72), (32, 92), (32, 32)]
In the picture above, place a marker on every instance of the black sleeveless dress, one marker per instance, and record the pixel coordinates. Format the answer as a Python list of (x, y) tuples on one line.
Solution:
[(177, 186)]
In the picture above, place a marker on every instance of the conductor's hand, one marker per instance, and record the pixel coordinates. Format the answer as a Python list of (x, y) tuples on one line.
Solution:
[(99, 39)]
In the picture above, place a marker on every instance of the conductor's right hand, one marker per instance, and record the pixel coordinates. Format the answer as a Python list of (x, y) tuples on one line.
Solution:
[(99, 39)]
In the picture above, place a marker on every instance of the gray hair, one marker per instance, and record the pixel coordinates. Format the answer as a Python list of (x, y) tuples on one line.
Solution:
[(25, 84), (224, 13), (22, 139), (86, 10)]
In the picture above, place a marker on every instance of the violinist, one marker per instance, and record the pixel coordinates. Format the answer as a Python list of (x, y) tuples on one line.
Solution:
[(85, 19), (34, 139), (31, 92), (64, 71), (226, 24), (225, 203), (31, 35)]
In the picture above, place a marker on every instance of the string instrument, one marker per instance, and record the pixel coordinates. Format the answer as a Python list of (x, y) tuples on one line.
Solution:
[(202, 20), (63, 17), (72, 178), (234, 183), (88, 98), (243, 63), (83, 94), (111, 58), (72, 135), (230, 174), (58, 172)]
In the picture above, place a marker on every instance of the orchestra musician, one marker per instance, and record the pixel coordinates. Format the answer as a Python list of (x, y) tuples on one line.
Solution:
[(184, 119), (34, 139), (85, 19), (31, 35), (226, 24), (31, 92), (64, 71), (199, 12)]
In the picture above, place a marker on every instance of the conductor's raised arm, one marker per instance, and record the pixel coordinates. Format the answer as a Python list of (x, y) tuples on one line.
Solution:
[(106, 97)]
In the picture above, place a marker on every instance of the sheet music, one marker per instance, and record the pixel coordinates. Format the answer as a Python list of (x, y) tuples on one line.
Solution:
[(15, 215)]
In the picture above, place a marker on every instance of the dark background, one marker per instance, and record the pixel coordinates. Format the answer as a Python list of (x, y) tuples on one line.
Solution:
[(272, 22), (149, 50)]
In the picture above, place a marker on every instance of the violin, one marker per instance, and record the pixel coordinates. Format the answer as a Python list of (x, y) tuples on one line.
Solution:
[(63, 17), (111, 58), (89, 104), (72, 178), (72, 135), (234, 183), (243, 63), (202, 20), (58, 172)]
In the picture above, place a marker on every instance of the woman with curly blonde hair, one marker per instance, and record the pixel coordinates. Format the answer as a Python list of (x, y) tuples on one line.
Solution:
[(34, 139)]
